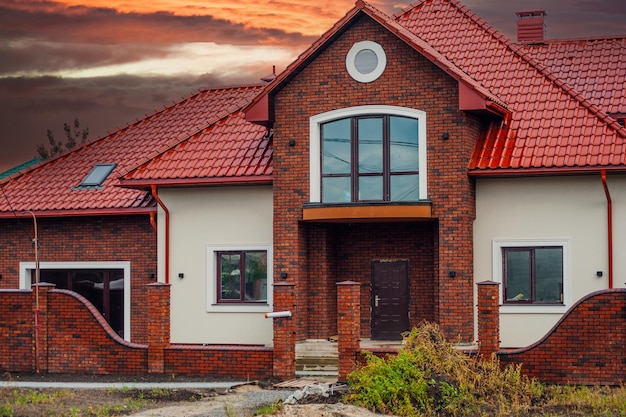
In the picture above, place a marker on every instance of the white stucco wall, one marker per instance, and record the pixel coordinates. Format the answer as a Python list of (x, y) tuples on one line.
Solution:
[(201, 220), (569, 208)]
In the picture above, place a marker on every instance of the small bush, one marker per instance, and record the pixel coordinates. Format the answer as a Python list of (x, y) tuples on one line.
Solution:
[(429, 376)]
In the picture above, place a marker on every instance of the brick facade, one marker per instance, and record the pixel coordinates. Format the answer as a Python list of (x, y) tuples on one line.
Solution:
[(82, 239), (304, 251)]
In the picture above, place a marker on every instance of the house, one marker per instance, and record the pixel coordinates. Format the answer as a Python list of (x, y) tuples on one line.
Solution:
[(416, 155)]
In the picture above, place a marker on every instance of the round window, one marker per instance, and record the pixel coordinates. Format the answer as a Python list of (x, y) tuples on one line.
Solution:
[(366, 61)]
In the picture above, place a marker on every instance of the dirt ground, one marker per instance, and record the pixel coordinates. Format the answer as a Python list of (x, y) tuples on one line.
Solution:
[(242, 401)]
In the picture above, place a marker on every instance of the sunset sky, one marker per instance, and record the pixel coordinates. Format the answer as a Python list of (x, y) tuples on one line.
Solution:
[(107, 62)]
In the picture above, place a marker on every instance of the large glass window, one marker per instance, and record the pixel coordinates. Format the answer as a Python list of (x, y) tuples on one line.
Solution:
[(533, 275), (370, 158), (242, 276)]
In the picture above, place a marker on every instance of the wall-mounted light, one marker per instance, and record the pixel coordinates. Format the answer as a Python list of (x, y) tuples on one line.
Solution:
[(446, 135), (452, 274), (599, 274), (284, 275), (292, 142), (152, 276), (181, 275)]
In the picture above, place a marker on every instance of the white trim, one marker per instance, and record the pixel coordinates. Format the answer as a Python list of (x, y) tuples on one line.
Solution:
[(315, 146), (212, 305), (26, 267), (381, 63), (497, 246)]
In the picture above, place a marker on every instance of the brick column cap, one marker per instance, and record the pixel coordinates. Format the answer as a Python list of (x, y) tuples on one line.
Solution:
[(488, 283), (159, 284), (44, 285), (349, 283)]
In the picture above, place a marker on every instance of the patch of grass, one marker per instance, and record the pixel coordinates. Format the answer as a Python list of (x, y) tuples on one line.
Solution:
[(273, 408)]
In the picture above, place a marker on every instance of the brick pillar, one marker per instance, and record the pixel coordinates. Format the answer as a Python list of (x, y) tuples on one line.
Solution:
[(488, 318), (284, 332), (40, 326), (158, 325), (348, 325)]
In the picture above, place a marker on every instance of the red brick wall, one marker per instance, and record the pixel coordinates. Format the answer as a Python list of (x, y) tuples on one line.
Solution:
[(16, 331), (244, 362), (412, 81), (80, 341), (80, 239), (587, 346)]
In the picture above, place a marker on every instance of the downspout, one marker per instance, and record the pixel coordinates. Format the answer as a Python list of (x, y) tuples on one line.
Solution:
[(153, 221), (37, 307), (609, 208), (167, 233)]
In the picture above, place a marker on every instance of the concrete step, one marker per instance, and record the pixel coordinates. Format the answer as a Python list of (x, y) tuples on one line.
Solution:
[(316, 358)]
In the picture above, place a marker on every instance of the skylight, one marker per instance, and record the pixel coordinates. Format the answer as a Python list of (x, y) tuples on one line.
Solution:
[(97, 175)]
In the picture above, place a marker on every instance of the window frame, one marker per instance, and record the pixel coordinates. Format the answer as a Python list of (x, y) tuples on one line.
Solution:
[(242, 277), (315, 142), (532, 258), (28, 268), (498, 247), (212, 288)]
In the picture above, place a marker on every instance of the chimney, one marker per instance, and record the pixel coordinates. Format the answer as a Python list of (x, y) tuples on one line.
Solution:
[(531, 27)]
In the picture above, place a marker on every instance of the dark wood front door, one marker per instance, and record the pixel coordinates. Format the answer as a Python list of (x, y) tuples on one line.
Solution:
[(390, 299)]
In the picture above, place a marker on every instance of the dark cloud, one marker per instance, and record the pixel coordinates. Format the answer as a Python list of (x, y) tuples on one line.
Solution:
[(30, 106), (29, 56)]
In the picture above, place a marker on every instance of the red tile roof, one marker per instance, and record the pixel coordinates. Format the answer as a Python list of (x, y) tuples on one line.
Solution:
[(596, 68), (52, 187), (552, 125)]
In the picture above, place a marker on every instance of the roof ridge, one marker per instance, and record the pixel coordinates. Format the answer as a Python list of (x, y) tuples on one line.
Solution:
[(435, 55), (583, 39), (517, 49), (194, 130)]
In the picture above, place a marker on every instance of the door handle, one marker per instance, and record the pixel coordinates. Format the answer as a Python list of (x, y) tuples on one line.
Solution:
[(376, 298)]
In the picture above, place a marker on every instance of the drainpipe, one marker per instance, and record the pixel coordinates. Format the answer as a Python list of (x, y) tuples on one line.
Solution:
[(609, 208), (36, 241), (167, 233), (153, 221)]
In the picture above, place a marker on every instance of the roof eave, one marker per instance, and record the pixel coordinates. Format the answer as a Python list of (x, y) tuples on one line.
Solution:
[(143, 184), (529, 172), (80, 212)]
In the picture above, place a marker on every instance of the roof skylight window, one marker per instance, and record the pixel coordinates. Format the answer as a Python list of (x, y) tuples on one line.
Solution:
[(97, 175)]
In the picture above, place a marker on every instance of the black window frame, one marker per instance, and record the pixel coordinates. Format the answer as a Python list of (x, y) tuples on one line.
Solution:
[(242, 277), (354, 175), (531, 299)]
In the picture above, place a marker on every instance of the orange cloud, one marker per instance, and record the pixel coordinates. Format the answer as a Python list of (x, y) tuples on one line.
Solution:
[(306, 17)]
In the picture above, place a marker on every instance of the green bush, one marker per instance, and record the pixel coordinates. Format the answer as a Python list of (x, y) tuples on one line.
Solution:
[(430, 377)]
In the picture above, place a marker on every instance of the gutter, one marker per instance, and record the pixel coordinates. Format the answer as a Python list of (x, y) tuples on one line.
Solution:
[(609, 208), (167, 232)]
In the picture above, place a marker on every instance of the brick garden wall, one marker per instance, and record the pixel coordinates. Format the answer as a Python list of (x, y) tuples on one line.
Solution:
[(79, 340), (80, 239), (410, 80), (587, 346), (16, 330)]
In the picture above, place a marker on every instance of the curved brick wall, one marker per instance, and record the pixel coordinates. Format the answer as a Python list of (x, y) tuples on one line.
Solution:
[(585, 347)]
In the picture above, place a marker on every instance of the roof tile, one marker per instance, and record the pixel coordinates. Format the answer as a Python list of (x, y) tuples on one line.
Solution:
[(201, 118), (541, 84)]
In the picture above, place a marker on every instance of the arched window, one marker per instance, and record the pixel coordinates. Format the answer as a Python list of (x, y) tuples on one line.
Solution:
[(368, 154)]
